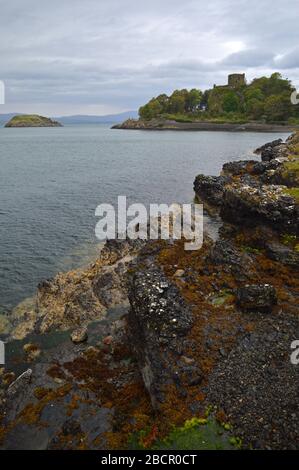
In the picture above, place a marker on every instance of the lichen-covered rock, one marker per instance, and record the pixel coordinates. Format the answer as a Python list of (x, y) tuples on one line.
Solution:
[(78, 297), (159, 321), (238, 168), (79, 335), (261, 297), (267, 204), (277, 151), (210, 188)]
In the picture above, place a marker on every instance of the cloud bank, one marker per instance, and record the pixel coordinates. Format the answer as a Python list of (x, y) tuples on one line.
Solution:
[(98, 57)]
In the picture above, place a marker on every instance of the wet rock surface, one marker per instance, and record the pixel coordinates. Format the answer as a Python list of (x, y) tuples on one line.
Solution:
[(159, 321)]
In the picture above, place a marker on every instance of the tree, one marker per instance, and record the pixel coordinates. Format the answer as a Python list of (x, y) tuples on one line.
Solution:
[(278, 107), (193, 100), (231, 102)]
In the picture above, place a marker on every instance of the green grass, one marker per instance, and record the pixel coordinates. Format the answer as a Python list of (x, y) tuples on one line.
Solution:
[(294, 192)]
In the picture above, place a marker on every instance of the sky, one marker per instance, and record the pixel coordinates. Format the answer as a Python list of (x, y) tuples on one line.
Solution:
[(107, 56)]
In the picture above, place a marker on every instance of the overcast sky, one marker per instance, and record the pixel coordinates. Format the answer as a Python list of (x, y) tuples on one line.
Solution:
[(104, 56)]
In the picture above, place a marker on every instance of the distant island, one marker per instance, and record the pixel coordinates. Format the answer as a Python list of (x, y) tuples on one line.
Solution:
[(264, 104), (32, 120)]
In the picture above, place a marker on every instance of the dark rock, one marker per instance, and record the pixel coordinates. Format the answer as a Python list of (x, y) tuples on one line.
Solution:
[(256, 297), (71, 427), (158, 322), (210, 188), (248, 205), (224, 253), (270, 153), (272, 144), (237, 168), (282, 254)]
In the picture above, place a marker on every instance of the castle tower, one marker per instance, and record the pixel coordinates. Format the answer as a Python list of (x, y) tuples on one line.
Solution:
[(235, 80)]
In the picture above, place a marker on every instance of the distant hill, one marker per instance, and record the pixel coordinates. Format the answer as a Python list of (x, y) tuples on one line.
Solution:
[(80, 119), (85, 119)]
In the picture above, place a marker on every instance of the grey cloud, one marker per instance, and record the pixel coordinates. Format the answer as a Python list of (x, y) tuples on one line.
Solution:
[(115, 55)]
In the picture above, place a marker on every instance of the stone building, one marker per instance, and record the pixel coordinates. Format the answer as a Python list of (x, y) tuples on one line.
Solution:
[(235, 80)]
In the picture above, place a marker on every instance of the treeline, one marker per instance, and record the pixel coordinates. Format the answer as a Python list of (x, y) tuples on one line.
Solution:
[(265, 99)]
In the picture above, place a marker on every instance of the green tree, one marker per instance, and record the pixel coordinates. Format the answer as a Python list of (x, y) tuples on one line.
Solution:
[(231, 102), (278, 107), (193, 99)]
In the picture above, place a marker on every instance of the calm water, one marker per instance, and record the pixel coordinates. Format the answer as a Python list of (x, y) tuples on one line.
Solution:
[(51, 181)]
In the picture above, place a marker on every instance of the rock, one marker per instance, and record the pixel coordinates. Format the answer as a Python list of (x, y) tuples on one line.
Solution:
[(108, 340), (282, 254), (271, 153), (22, 381), (210, 188), (224, 253), (261, 297), (179, 273), (237, 168), (32, 351), (79, 335), (272, 144), (158, 323), (187, 360), (247, 205)]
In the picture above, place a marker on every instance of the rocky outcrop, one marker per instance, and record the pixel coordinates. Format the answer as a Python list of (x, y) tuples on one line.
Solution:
[(268, 145), (159, 321), (267, 204), (78, 297), (210, 188), (256, 193)]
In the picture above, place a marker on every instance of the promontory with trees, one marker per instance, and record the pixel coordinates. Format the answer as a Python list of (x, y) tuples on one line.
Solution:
[(264, 102)]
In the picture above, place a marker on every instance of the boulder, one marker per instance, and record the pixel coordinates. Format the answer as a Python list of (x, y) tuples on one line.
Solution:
[(210, 188), (158, 324), (79, 335), (283, 254), (256, 297)]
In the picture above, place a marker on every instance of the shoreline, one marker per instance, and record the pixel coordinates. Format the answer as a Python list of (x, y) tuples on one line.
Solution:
[(159, 125), (151, 331)]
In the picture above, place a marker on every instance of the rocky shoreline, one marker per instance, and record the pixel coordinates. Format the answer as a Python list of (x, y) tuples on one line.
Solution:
[(164, 124), (153, 346)]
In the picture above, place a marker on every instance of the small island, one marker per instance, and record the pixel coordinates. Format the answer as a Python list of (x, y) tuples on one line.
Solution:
[(32, 120)]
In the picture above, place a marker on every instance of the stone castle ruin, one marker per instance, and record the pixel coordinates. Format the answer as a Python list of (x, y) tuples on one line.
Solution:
[(235, 80)]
